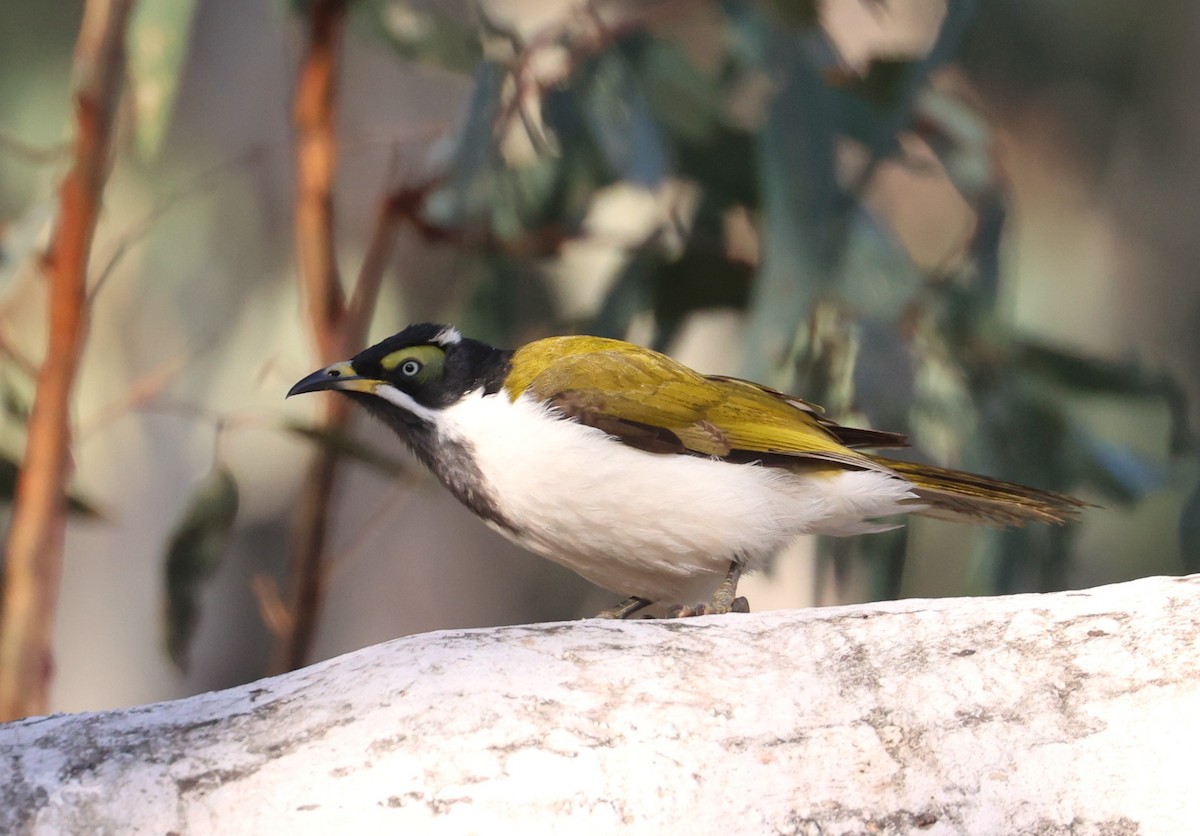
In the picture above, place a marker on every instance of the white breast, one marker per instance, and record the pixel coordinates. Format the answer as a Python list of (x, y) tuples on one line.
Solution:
[(660, 526)]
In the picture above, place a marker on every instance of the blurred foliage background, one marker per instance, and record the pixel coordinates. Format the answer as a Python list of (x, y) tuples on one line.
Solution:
[(972, 222)]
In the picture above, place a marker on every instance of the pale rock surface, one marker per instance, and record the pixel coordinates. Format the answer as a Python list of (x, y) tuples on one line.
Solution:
[(1073, 712)]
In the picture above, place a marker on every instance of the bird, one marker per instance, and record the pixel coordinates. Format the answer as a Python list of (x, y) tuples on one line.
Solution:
[(649, 479)]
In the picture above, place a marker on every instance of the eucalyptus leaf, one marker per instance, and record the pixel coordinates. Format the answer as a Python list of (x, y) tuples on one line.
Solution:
[(884, 375), (512, 299), (197, 544), (796, 176), (1118, 472), (697, 279), (877, 110), (724, 164), (798, 13), (1085, 373), (875, 274), (582, 169), (426, 33), (469, 193), (630, 294), (962, 140), (1097, 375), (624, 124), (1035, 558), (687, 102)]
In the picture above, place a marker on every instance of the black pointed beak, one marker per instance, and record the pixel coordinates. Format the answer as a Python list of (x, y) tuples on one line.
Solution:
[(337, 376)]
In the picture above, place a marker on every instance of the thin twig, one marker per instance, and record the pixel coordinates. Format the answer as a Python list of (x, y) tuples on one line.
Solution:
[(33, 551), (314, 117), (274, 613)]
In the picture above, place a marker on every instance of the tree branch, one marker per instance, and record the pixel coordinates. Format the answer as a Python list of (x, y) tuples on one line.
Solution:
[(33, 551), (314, 115), (314, 119), (337, 328), (1070, 712)]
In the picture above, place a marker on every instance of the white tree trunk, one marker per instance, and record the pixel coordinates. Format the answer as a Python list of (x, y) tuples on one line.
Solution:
[(1074, 712)]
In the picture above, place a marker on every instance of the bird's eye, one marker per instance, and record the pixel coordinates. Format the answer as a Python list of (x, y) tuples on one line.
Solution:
[(409, 368)]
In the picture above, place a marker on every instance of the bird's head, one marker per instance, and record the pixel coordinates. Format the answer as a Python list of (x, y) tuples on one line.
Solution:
[(409, 377)]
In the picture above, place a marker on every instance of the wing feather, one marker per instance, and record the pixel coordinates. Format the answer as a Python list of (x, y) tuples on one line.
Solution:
[(649, 401)]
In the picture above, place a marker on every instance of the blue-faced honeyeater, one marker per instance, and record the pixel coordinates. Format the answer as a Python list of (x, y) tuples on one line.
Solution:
[(645, 477)]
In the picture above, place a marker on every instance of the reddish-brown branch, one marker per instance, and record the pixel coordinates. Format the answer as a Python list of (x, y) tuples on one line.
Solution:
[(314, 116), (33, 551)]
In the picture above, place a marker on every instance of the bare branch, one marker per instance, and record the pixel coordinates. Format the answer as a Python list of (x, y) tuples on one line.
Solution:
[(1072, 712), (33, 551), (314, 115)]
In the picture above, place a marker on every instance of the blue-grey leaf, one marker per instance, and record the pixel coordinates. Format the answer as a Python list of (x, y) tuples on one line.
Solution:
[(425, 33), (796, 149)]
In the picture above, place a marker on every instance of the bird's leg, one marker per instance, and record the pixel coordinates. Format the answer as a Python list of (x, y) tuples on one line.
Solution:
[(626, 608), (723, 600)]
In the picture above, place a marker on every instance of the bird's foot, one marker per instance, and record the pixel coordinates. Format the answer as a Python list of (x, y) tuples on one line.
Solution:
[(739, 604), (723, 600), (626, 608)]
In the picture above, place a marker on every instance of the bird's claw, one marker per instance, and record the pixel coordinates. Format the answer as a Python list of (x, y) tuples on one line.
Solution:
[(714, 607)]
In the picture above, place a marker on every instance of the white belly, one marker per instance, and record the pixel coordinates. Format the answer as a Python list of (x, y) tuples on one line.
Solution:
[(661, 526)]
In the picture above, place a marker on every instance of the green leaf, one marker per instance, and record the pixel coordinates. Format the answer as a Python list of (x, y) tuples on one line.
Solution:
[(884, 377), (425, 33), (1102, 376), (877, 109), (470, 191), (699, 278), (196, 547), (624, 125), (688, 103), (800, 194), (961, 138), (1118, 472), (875, 274), (630, 294), (512, 300), (1035, 558), (582, 168), (1087, 374), (351, 448), (801, 14), (725, 165), (158, 41)]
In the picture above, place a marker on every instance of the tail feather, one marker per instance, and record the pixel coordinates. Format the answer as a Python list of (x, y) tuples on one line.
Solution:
[(968, 497)]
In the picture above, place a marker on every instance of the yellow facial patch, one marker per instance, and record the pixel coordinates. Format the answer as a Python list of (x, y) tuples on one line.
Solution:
[(346, 378), (420, 363)]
